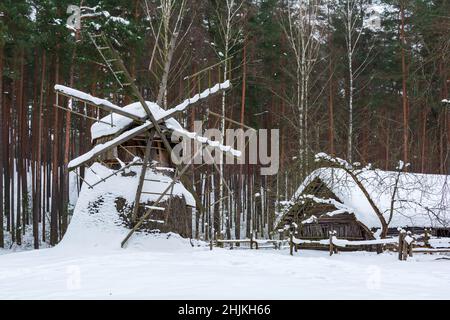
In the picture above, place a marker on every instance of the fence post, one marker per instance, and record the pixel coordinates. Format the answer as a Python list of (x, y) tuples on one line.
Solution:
[(251, 240), (401, 240), (211, 239), (335, 248), (426, 239), (405, 251), (331, 244), (291, 242), (410, 245), (255, 238)]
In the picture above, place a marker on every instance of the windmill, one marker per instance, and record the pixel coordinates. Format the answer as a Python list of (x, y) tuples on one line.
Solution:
[(142, 123)]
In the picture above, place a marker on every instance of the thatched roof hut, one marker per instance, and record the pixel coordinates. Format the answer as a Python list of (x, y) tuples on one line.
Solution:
[(329, 199)]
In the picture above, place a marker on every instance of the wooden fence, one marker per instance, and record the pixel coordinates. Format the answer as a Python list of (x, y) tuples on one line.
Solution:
[(405, 244), (252, 242)]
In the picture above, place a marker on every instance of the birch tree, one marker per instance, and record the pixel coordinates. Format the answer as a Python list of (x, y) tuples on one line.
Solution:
[(230, 32), (352, 13), (166, 22), (303, 32)]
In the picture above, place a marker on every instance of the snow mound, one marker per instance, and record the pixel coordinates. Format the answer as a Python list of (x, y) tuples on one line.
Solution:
[(96, 223)]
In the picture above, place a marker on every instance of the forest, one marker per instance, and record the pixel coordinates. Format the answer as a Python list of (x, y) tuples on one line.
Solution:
[(363, 80)]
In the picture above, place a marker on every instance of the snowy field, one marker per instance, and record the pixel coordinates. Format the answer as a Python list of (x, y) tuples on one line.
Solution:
[(89, 264), (172, 269)]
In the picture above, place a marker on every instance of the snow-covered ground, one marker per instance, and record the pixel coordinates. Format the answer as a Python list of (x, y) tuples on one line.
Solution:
[(172, 269), (89, 264)]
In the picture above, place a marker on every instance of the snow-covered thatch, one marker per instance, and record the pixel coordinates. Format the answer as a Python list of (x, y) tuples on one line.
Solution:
[(121, 123), (421, 200)]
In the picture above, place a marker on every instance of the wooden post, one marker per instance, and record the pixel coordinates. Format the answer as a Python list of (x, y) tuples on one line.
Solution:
[(291, 243), (331, 244), (401, 240), (335, 248), (379, 248), (405, 251), (211, 239), (410, 245), (426, 239)]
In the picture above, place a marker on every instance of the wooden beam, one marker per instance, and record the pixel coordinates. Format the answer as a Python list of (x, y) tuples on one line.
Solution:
[(83, 115), (105, 107), (90, 156)]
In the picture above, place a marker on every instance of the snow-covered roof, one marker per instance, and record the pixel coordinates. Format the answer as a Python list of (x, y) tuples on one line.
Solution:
[(422, 200), (120, 122)]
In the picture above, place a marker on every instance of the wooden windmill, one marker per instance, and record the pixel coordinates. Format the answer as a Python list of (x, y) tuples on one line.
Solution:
[(135, 132)]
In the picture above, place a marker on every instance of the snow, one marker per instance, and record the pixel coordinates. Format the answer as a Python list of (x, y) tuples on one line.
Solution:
[(120, 20), (98, 149), (203, 140), (103, 227), (84, 96), (421, 201), (344, 243), (312, 219), (102, 129), (171, 269), (89, 263), (200, 96), (120, 122)]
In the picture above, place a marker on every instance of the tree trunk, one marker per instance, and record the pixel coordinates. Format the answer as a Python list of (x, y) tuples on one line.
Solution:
[(55, 170), (404, 87), (2, 239)]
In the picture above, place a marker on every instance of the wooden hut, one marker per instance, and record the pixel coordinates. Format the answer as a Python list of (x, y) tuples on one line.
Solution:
[(330, 200)]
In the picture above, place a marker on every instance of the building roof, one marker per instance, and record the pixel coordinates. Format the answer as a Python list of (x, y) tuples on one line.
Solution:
[(118, 123), (422, 200)]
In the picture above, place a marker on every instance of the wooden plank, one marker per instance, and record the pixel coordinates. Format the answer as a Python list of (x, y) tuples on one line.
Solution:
[(431, 250), (115, 173), (83, 115), (105, 107)]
